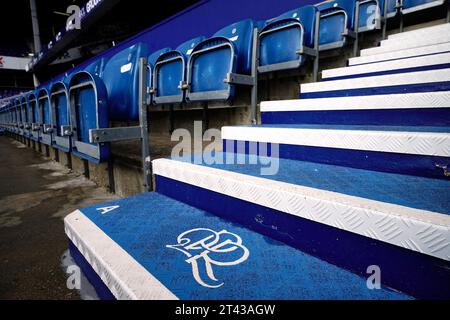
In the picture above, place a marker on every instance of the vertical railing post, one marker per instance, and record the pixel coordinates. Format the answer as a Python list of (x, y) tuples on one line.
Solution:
[(143, 123), (316, 48), (356, 41), (255, 65)]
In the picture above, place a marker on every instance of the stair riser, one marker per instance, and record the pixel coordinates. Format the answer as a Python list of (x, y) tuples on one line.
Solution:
[(382, 73), (419, 275), (417, 165), (385, 117), (397, 89)]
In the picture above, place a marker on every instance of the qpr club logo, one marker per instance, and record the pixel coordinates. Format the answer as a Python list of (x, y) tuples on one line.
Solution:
[(207, 250)]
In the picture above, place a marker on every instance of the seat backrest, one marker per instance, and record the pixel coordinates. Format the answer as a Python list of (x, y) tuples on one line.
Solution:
[(31, 106), (44, 106), (121, 79), (59, 104), (168, 75), (348, 6), (241, 35)]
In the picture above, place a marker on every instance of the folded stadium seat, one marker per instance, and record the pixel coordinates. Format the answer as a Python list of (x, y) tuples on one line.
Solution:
[(410, 6), (59, 102), (34, 116), (46, 116), (169, 73), (94, 101), (286, 41), (25, 120), (20, 125), (216, 61), (151, 60), (336, 23), (371, 12)]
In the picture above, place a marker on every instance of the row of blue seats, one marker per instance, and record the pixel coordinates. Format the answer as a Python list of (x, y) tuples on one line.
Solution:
[(62, 112)]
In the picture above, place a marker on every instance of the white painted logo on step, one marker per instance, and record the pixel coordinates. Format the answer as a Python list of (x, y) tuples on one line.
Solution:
[(206, 248)]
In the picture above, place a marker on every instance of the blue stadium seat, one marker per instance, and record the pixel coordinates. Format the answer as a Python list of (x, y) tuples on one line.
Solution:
[(410, 6), (336, 23), (33, 115), (88, 110), (122, 83), (151, 60), (212, 60), (169, 73), (59, 101), (283, 39), (25, 126), (16, 119), (96, 97), (46, 116)]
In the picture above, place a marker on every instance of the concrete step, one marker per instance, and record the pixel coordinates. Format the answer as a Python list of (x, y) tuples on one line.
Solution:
[(350, 217), (415, 64), (397, 45), (422, 81), (423, 151), (411, 109), (402, 54), (153, 247)]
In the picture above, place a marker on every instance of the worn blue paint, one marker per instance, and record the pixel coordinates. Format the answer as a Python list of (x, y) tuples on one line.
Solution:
[(145, 224), (410, 164), (382, 117)]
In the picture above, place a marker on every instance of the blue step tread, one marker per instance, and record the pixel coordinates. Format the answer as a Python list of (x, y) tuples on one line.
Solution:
[(410, 191), (145, 224)]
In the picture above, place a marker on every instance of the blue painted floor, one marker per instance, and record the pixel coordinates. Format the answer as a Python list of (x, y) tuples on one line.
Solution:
[(145, 225), (411, 191)]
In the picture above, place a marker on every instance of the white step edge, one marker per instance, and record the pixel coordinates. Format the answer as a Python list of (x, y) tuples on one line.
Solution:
[(409, 53), (418, 230), (421, 77), (422, 100), (443, 27), (405, 44), (415, 143), (126, 278), (442, 58)]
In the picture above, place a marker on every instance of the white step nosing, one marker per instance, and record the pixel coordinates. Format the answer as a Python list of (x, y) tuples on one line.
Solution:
[(411, 78), (403, 45), (402, 54), (420, 100), (390, 223), (126, 278), (414, 143), (421, 32), (437, 37), (416, 62)]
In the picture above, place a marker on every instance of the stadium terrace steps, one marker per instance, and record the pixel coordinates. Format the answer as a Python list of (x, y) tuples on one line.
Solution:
[(422, 81), (330, 211), (149, 247), (397, 45), (402, 54), (411, 109), (414, 64), (353, 175)]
